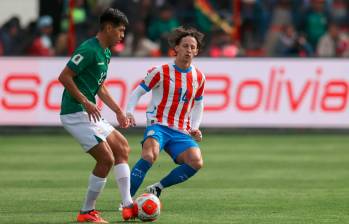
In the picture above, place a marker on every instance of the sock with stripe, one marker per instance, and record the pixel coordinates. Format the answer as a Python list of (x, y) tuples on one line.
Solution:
[(178, 175), (138, 173)]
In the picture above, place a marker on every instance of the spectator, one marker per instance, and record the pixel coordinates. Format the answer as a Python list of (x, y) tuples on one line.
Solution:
[(163, 24), (11, 37), (281, 15), (315, 22), (253, 26), (184, 11), (286, 43), (135, 9), (304, 49), (42, 43), (332, 43), (292, 45), (343, 48), (137, 44), (339, 12), (61, 44), (223, 45)]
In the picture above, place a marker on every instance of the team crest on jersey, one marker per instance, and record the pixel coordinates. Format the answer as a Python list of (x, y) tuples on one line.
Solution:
[(76, 59), (150, 132)]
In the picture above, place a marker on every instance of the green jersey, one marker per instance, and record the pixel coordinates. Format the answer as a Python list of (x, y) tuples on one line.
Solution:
[(90, 63)]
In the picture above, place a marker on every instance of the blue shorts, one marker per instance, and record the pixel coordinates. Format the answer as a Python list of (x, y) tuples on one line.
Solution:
[(173, 141)]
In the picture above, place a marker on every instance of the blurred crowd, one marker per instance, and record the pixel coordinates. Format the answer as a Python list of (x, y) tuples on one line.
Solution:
[(263, 28)]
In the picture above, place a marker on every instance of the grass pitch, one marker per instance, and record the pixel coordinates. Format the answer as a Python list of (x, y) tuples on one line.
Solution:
[(246, 179)]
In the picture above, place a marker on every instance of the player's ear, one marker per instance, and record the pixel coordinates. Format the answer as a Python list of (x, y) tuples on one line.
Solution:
[(196, 52), (176, 48), (108, 27)]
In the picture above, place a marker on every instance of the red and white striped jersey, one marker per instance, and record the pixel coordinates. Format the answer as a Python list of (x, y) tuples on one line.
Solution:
[(173, 93)]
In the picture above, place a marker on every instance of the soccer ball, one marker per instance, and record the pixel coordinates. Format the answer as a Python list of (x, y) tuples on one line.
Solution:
[(148, 206)]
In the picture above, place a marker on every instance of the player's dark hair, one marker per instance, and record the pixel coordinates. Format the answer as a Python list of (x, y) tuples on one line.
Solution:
[(113, 16), (177, 34)]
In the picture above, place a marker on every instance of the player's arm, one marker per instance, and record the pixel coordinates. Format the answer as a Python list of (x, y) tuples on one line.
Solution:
[(66, 78), (136, 94), (104, 94), (150, 81), (197, 112), (196, 119)]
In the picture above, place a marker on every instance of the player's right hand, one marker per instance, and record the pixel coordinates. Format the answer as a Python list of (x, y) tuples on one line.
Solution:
[(131, 119), (92, 110), (123, 121), (196, 134)]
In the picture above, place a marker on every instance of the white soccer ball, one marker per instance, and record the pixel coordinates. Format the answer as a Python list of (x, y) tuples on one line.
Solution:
[(148, 206)]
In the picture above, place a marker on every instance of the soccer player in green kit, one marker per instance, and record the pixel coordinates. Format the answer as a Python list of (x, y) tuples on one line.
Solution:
[(83, 79)]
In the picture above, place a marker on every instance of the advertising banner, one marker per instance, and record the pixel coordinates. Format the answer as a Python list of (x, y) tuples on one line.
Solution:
[(304, 93)]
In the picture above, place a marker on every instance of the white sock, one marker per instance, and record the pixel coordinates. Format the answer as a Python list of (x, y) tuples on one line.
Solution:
[(95, 187), (122, 177)]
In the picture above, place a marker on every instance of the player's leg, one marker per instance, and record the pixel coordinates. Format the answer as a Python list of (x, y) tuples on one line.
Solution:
[(190, 161), (153, 141), (185, 152), (87, 133), (98, 178), (150, 152), (121, 150)]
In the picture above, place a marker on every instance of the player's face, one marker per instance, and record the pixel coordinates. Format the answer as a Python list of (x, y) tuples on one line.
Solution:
[(187, 48), (116, 34)]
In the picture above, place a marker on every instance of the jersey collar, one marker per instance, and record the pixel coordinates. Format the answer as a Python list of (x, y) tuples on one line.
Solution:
[(99, 45), (182, 70)]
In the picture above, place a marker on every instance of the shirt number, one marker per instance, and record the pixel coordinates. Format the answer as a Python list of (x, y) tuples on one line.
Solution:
[(182, 97)]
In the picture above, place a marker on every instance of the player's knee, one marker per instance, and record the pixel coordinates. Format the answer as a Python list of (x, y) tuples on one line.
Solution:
[(149, 156), (109, 162), (197, 164), (106, 163), (123, 152)]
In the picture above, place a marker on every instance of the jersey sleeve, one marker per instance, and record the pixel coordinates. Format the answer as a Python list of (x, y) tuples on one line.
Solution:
[(199, 94), (81, 58), (151, 80)]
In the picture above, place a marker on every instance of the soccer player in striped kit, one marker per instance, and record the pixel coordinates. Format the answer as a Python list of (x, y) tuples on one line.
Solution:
[(174, 113)]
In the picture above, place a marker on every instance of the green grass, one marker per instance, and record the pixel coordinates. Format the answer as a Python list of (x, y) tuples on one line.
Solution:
[(262, 179)]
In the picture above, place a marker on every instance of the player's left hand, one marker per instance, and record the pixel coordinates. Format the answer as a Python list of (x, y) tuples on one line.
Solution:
[(131, 119), (123, 121), (196, 134)]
